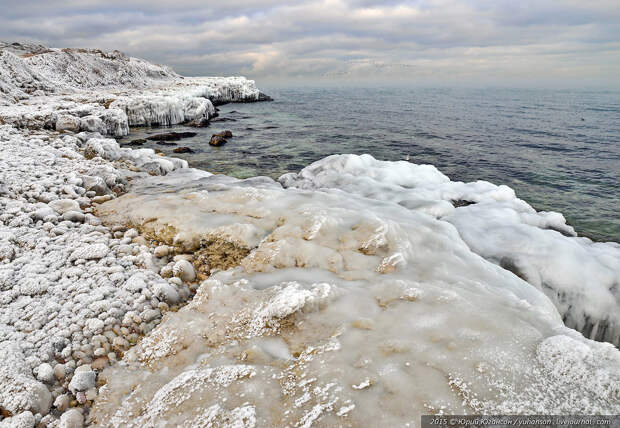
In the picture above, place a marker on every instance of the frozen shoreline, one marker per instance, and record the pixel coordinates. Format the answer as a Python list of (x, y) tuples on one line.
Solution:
[(338, 282)]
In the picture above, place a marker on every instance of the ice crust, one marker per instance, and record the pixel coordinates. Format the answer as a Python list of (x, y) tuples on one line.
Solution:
[(581, 277), (106, 92), (359, 300)]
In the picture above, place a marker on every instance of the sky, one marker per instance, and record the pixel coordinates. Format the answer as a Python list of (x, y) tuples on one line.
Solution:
[(565, 43)]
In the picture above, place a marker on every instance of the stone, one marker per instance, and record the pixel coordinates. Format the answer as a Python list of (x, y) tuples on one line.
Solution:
[(61, 206), (137, 142), (171, 136), (82, 380), (161, 251), (45, 373), (184, 270), (217, 141), (67, 123), (73, 216), (183, 150), (61, 403), (72, 418), (92, 124), (223, 134), (59, 371), (95, 184)]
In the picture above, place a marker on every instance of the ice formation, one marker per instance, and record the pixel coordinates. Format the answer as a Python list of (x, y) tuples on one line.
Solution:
[(106, 92), (354, 298)]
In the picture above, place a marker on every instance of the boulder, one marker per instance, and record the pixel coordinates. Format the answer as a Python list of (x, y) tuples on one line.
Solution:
[(216, 141), (92, 124), (224, 134), (183, 150), (171, 136), (67, 123)]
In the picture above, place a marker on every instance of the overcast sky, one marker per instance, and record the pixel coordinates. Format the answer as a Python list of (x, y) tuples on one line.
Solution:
[(474, 42)]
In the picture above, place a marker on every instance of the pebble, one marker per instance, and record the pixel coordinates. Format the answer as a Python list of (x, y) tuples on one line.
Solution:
[(184, 270), (161, 251), (45, 373), (72, 418), (82, 380), (74, 216)]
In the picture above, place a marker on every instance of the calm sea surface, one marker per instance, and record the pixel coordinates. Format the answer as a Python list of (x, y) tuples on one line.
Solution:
[(559, 150)]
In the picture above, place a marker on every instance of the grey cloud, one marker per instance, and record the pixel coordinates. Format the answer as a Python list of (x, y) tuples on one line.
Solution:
[(468, 41)]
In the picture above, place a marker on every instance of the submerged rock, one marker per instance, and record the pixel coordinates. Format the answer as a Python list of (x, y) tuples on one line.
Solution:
[(223, 134), (183, 150), (217, 140), (171, 136)]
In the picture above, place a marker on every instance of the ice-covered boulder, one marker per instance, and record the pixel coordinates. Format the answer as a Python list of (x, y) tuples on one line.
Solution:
[(20, 391)]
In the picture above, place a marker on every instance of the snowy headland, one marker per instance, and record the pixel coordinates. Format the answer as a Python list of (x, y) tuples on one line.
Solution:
[(135, 291)]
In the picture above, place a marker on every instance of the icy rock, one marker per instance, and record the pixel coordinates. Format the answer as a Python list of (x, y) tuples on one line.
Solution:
[(95, 324), (93, 124), (161, 251), (45, 373), (95, 184), (167, 293), (61, 403), (43, 213), (72, 418), (68, 123), (184, 270), (89, 252), (61, 206), (20, 390), (105, 148), (82, 380), (73, 216), (21, 420)]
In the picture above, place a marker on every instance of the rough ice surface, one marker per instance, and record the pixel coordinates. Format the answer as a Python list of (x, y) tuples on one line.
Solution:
[(581, 277), (354, 298), (106, 92)]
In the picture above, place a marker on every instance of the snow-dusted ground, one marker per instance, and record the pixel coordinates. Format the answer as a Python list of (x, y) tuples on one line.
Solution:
[(354, 291)]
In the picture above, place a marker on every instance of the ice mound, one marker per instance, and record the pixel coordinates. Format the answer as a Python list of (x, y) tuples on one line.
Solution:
[(344, 306), (581, 277), (92, 90)]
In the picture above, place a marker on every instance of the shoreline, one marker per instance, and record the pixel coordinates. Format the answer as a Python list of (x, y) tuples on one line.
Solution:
[(181, 245)]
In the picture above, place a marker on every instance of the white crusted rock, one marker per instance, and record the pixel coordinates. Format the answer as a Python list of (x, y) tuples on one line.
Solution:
[(89, 252), (72, 418), (82, 380), (61, 206), (184, 270)]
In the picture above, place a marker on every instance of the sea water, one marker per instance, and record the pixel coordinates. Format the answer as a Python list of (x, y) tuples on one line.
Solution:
[(559, 149)]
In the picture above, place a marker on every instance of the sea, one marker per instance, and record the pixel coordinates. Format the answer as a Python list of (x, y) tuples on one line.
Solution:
[(558, 149)]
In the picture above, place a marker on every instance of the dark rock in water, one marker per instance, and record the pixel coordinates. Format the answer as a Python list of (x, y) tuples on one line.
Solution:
[(166, 143), (183, 150), (271, 127), (199, 123), (223, 134), (223, 119), (249, 129), (137, 142), (217, 140), (171, 136), (461, 203), (264, 97)]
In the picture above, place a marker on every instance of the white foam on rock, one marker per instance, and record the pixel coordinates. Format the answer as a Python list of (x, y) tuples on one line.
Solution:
[(359, 272)]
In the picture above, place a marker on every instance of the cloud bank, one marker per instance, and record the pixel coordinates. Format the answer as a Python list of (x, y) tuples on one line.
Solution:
[(527, 42)]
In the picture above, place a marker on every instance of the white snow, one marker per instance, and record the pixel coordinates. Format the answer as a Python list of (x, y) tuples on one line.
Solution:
[(361, 268)]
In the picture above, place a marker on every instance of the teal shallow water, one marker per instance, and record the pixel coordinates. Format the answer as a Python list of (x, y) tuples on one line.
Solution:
[(559, 150)]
